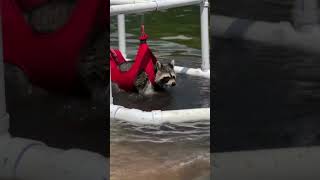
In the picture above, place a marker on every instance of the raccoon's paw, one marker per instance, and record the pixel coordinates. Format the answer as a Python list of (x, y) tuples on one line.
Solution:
[(148, 90), (116, 89), (149, 93)]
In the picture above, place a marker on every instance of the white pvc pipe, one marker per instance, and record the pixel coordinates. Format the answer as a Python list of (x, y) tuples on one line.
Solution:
[(150, 6), (122, 34), (205, 47), (275, 164), (192, 71), (31, 160), (279, 34), (118, 2), (4, 117), (158, 116), (110, 87)]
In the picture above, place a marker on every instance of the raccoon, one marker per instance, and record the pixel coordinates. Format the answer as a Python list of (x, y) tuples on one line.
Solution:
[(165, 77)]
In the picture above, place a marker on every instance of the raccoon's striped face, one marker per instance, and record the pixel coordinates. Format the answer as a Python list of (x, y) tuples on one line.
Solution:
[(165, 75)]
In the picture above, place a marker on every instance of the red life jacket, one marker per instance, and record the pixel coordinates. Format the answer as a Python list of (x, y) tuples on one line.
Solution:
[(144, 61), (49, 59)]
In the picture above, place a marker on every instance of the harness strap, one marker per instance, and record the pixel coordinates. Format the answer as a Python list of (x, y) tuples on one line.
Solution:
[(143, 37), (114, 55)]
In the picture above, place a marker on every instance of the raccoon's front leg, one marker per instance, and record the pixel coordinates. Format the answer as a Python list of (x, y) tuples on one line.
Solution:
[(143, 85), (148, 90), (115, 88)]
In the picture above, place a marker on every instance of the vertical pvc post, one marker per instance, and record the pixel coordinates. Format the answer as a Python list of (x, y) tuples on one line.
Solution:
[(205, 48), (4, 118), (111, 98), (122, 34), (305, 15)]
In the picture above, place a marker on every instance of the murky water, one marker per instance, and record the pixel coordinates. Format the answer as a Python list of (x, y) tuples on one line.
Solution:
[(169, 151)]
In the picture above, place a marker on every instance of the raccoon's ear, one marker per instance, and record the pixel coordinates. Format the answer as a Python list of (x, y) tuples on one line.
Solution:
[(172, 62), (158, 64)]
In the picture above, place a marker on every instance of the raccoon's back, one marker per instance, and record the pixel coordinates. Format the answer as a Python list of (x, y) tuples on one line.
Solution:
[(141, 79)]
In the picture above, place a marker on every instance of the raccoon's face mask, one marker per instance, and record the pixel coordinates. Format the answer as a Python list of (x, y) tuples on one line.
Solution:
[(165, 75)]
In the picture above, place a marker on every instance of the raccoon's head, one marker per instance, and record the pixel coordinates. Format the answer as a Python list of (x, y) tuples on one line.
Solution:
[(165, 75)]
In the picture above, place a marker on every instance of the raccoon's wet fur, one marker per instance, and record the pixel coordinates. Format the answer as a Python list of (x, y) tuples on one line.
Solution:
[(165, 77)]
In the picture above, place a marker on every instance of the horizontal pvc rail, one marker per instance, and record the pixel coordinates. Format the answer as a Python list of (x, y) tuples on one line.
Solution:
[(32, 160), (118, 2), (275, 164), (158, 117), (192, 71), (280, 34), (150, 6)]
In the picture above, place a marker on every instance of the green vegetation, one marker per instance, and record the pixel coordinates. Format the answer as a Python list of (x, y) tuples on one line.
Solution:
[(173, 22)]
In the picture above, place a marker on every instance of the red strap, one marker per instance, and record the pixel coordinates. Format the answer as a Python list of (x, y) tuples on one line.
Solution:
[(144, 61), (143, 36), (142, 29), (114, 55), (117, 56)]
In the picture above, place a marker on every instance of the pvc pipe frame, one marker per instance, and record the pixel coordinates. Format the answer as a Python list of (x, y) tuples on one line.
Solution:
[(192, 71), (205, 47), (122, 34), (149, 6), (278, 34), (119, 2), (158, 117), (275, 164), (204, 16), (32, 160)]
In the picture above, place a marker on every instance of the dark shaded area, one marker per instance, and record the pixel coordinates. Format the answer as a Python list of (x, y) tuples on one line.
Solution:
[(74, 119), (265, 10), (64, 121), (266, 97)]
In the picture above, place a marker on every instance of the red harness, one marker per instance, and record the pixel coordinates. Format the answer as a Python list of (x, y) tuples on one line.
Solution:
[(144, 61), (50, 59)]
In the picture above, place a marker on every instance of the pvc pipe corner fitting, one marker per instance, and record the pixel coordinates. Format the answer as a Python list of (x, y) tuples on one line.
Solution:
[(33, 160), (205, 3), (12, 151), (113, 110)]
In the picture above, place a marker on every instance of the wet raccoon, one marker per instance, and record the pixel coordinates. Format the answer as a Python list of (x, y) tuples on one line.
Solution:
[(165, 77)]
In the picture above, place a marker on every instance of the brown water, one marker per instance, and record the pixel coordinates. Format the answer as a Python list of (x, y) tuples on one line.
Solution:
[(168, 151)]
